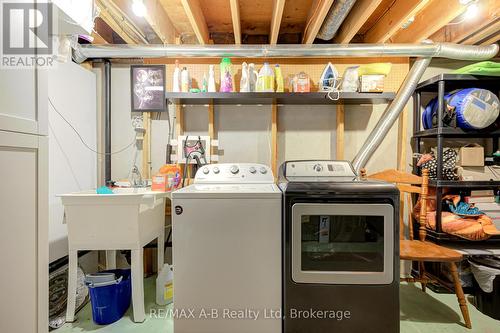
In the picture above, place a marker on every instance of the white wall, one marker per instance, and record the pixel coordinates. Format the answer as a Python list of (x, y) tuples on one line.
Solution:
[(72, 167), (243, 131)]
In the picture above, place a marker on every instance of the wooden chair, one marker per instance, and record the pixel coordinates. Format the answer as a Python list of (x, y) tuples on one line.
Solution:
[(420, 250)]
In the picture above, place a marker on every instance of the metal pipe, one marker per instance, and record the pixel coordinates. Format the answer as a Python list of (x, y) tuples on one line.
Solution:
[(336, 15), (107, 121), (444, 50), (390, 115)]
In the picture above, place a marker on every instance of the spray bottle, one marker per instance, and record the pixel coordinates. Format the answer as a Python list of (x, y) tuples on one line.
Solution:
[(185, 80)]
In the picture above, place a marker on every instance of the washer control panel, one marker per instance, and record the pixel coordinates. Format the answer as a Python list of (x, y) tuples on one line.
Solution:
[(319, 169), (234, 173)]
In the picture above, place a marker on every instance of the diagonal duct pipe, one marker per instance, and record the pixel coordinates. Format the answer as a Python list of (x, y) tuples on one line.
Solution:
[(391, 114), (336, 15)]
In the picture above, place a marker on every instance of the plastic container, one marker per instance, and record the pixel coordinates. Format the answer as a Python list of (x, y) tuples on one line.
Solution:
[(173, 174), (280, 84), (109, 295), (185, 82), (265, 79), (226, 75), (165, 285), (486, 272), (211, 79), (252, 77), (176, 80), (244, 82), (301, 83)]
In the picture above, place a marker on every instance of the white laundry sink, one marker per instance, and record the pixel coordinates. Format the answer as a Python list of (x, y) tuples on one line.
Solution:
[(131, 215)]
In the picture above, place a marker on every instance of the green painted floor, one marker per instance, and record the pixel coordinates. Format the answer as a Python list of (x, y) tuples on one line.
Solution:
[(420, 313)]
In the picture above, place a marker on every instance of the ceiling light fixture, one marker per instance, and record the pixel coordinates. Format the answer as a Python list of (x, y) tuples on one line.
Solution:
[(139, 8), (471, 11)]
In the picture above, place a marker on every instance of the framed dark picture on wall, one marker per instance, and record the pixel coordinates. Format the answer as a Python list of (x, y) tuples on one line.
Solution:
[(147, 88)]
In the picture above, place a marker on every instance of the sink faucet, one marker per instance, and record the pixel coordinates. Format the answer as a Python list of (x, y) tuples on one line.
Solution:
[(136, 178)]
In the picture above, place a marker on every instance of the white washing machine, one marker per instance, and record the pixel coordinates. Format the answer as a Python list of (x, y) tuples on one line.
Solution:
[(227, 251)]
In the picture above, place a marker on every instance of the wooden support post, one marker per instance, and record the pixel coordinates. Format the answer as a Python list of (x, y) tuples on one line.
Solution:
[(179, 119), (274, 139), (340, 132), (146, 146), (211, 127), (402, 139)]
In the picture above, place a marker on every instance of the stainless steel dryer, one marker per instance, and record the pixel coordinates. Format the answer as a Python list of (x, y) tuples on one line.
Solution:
[(341, 250)]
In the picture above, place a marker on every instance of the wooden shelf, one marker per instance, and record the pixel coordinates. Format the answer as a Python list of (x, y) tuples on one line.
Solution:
[(465, 183), (252, 98), (454, 81), (449, 132)]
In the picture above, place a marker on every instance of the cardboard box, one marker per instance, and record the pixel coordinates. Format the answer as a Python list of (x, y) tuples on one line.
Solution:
[(477, 173), (372, 83), (471, 155)]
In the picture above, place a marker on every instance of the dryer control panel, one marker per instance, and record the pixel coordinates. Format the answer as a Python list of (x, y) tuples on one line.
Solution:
[(227, 173), (319, 169)]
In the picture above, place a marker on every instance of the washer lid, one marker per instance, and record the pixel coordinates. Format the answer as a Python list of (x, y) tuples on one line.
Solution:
[(230, 191)]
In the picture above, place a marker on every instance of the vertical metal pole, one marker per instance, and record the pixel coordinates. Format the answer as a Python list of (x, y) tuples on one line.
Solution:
[(440, 139), (107, 121)]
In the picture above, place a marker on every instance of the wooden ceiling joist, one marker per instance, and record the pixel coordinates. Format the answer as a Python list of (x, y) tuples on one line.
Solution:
[(433, 17), (236, 19), (486, 33), (98, 39), (489, 11), (121, 24), (159, 21), (197, 20), (399, 13), (278, 7), (316, 17), (358, 15)]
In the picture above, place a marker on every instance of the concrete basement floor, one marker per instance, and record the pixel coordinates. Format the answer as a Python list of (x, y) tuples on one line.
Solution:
[(420, 313)]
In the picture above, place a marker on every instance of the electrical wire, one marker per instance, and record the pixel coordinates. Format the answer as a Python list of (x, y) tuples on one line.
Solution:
[(83, 141)]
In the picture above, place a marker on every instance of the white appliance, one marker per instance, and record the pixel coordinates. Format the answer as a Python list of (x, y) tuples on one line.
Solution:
[(227, 251)]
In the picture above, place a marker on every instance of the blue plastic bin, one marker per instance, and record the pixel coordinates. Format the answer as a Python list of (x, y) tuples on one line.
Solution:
[(110, 300)]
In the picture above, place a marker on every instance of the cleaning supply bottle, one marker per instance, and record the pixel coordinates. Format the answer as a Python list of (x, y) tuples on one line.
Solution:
[(165, 285), (185, 80), (252, 77), (244, 82), (211, 79), (176, 83), (279, 79), (204, 85), (226, 76), (265, 79)]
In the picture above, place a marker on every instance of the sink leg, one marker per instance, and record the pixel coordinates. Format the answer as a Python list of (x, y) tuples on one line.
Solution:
[(72, 272), (110, 259), (161, 249), (138, 286)]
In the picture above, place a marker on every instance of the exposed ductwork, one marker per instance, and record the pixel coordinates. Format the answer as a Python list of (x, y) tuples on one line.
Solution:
[(443, 50), (336, 15), (424, 51), (391, 114)]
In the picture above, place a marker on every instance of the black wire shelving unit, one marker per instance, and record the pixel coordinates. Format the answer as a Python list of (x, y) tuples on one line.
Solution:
[(438, 86)]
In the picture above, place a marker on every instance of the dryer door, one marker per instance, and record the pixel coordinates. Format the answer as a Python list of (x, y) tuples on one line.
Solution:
[(336, 243)]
